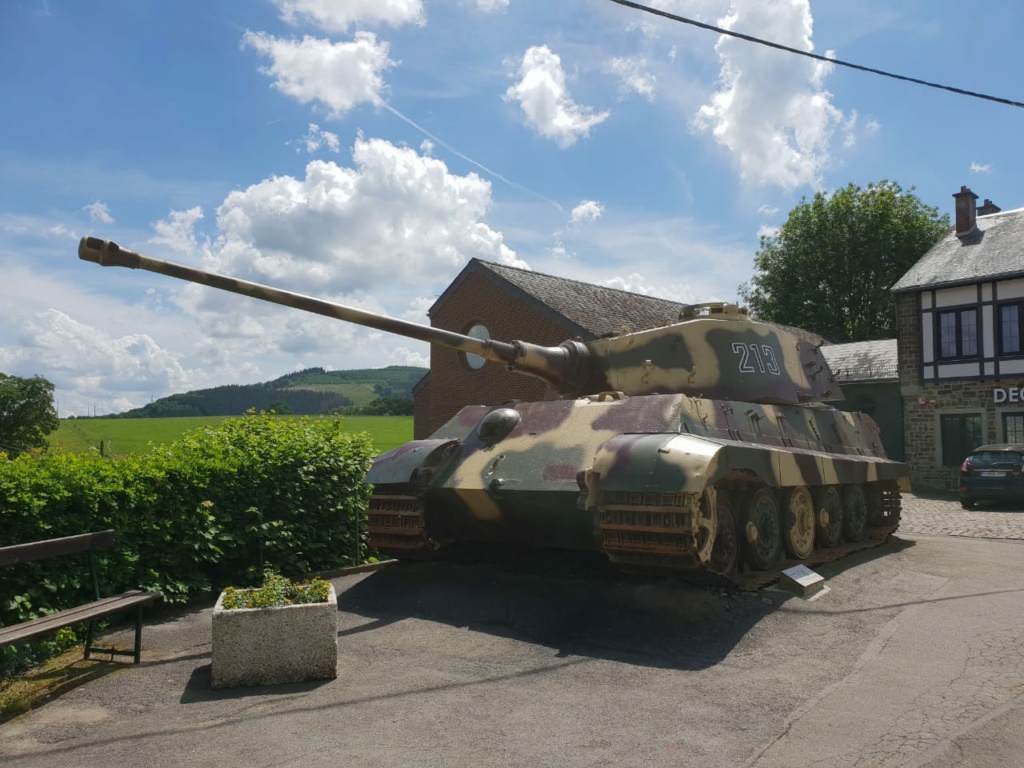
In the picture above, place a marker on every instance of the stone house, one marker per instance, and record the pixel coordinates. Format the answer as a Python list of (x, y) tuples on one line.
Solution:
[(868, 372), (960, 328)]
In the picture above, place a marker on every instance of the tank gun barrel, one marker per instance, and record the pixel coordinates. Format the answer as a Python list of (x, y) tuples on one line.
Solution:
[(564, 367)]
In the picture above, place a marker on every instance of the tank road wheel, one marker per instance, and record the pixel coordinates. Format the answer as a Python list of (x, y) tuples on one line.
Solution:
[(763, 532), (798, 522), (829, 523), (725, 553), (706, 525), (855, 513)]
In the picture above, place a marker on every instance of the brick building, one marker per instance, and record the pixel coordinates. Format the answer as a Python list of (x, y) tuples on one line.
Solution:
[(505, 303), (960, 325)]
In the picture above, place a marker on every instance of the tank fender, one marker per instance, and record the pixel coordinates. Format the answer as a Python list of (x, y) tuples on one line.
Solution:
[(399, 465), (652, 463), (691, 464)]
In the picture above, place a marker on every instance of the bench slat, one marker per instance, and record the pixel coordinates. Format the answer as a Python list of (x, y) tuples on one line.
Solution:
[(105, 607), (69, 545)]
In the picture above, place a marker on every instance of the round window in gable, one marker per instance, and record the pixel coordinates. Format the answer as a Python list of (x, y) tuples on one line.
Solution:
[(478, 331)]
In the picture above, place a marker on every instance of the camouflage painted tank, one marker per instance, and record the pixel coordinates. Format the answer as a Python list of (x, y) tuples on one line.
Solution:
[(704, 444)]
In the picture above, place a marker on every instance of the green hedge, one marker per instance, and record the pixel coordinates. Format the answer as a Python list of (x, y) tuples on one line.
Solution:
[(207, 511)]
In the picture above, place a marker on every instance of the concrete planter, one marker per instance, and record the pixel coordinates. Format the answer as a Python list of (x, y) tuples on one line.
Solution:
[(266, 646)]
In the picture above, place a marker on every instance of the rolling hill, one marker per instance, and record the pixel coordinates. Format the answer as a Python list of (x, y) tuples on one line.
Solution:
[(312, 391)]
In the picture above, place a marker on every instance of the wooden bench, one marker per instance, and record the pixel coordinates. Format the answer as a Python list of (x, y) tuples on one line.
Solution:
[(90, 612)]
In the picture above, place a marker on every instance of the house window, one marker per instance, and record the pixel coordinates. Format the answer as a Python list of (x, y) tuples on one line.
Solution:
[(477, 331), (961, 434), (1013, 427), (1011, 318), (958, 333)]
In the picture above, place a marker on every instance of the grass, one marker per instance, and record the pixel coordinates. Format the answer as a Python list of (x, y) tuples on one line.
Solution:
[(124, 436), (40, 684)]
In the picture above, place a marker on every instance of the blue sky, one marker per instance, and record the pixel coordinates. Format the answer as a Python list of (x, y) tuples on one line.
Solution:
[(363, 151)]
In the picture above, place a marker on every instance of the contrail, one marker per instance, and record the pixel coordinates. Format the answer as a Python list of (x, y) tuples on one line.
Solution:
[(469, 160)]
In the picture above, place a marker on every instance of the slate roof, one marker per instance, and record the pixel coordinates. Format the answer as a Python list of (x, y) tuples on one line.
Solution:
[(863, 360), (591, 310), (587, 310), (994, 250)]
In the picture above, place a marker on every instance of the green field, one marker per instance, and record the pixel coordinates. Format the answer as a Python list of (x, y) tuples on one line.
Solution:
[(124, 436)]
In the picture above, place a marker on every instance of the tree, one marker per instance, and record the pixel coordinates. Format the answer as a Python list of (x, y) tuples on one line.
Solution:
[(831, 265), (27, 413)]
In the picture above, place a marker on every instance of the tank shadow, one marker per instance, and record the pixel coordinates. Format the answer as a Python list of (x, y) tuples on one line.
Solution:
[(573, 603)]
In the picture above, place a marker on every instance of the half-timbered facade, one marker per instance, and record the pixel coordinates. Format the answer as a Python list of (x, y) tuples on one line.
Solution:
[(960, 319)]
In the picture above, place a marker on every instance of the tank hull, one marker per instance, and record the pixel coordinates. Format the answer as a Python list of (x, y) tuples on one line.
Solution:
[(647, 480)]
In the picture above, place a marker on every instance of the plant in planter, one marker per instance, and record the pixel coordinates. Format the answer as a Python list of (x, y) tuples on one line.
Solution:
[(280, 632)]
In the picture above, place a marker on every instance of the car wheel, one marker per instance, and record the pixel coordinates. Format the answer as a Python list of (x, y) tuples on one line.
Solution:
[(966, 503)]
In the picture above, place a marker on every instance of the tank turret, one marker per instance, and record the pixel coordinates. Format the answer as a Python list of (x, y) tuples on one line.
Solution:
[(714, 350)]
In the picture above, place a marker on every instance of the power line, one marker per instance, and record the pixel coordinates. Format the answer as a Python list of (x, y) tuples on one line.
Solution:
[(809, 55)]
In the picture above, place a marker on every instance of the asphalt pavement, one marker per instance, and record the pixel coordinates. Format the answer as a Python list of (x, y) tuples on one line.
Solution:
[(913, 657)]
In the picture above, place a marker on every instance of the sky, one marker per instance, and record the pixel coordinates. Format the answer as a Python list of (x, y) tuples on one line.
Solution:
[(363, 151)]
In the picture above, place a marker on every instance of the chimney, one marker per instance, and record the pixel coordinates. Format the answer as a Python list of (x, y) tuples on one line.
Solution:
[(988, 207), (965, 211)]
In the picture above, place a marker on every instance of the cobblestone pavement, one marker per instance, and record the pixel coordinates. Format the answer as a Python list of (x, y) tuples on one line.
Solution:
[(943, 516)]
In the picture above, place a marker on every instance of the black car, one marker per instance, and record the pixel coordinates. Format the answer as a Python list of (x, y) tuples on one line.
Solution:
[(992, 473)]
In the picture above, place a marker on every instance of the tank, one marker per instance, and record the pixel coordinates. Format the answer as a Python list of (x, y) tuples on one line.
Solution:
[(705, 444)]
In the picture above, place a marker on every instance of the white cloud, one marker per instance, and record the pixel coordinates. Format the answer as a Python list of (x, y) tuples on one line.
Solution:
[(365, 236), (59, 230), (680, 259), (80, 356), (396, 216), (587, 210), (979, 168), (634, 76), (490, 6), (382, 235), (634, 283), (339, 75), (416, 311), (334, 16), (34, 227), (700, 10), (99, 212), (405, 356), (768, 210), (772, 111), (74, 335), (177, 231), (542, 94), (316, 138)]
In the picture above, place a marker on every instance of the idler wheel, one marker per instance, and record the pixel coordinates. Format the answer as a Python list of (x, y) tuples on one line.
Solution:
[(855, 513), (763, 532), (725, 552), (828, 508), (798, 522)]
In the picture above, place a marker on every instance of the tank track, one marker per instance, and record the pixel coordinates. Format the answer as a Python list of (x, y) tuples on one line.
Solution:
[(396, 524), (649, 532), (751, 580)]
